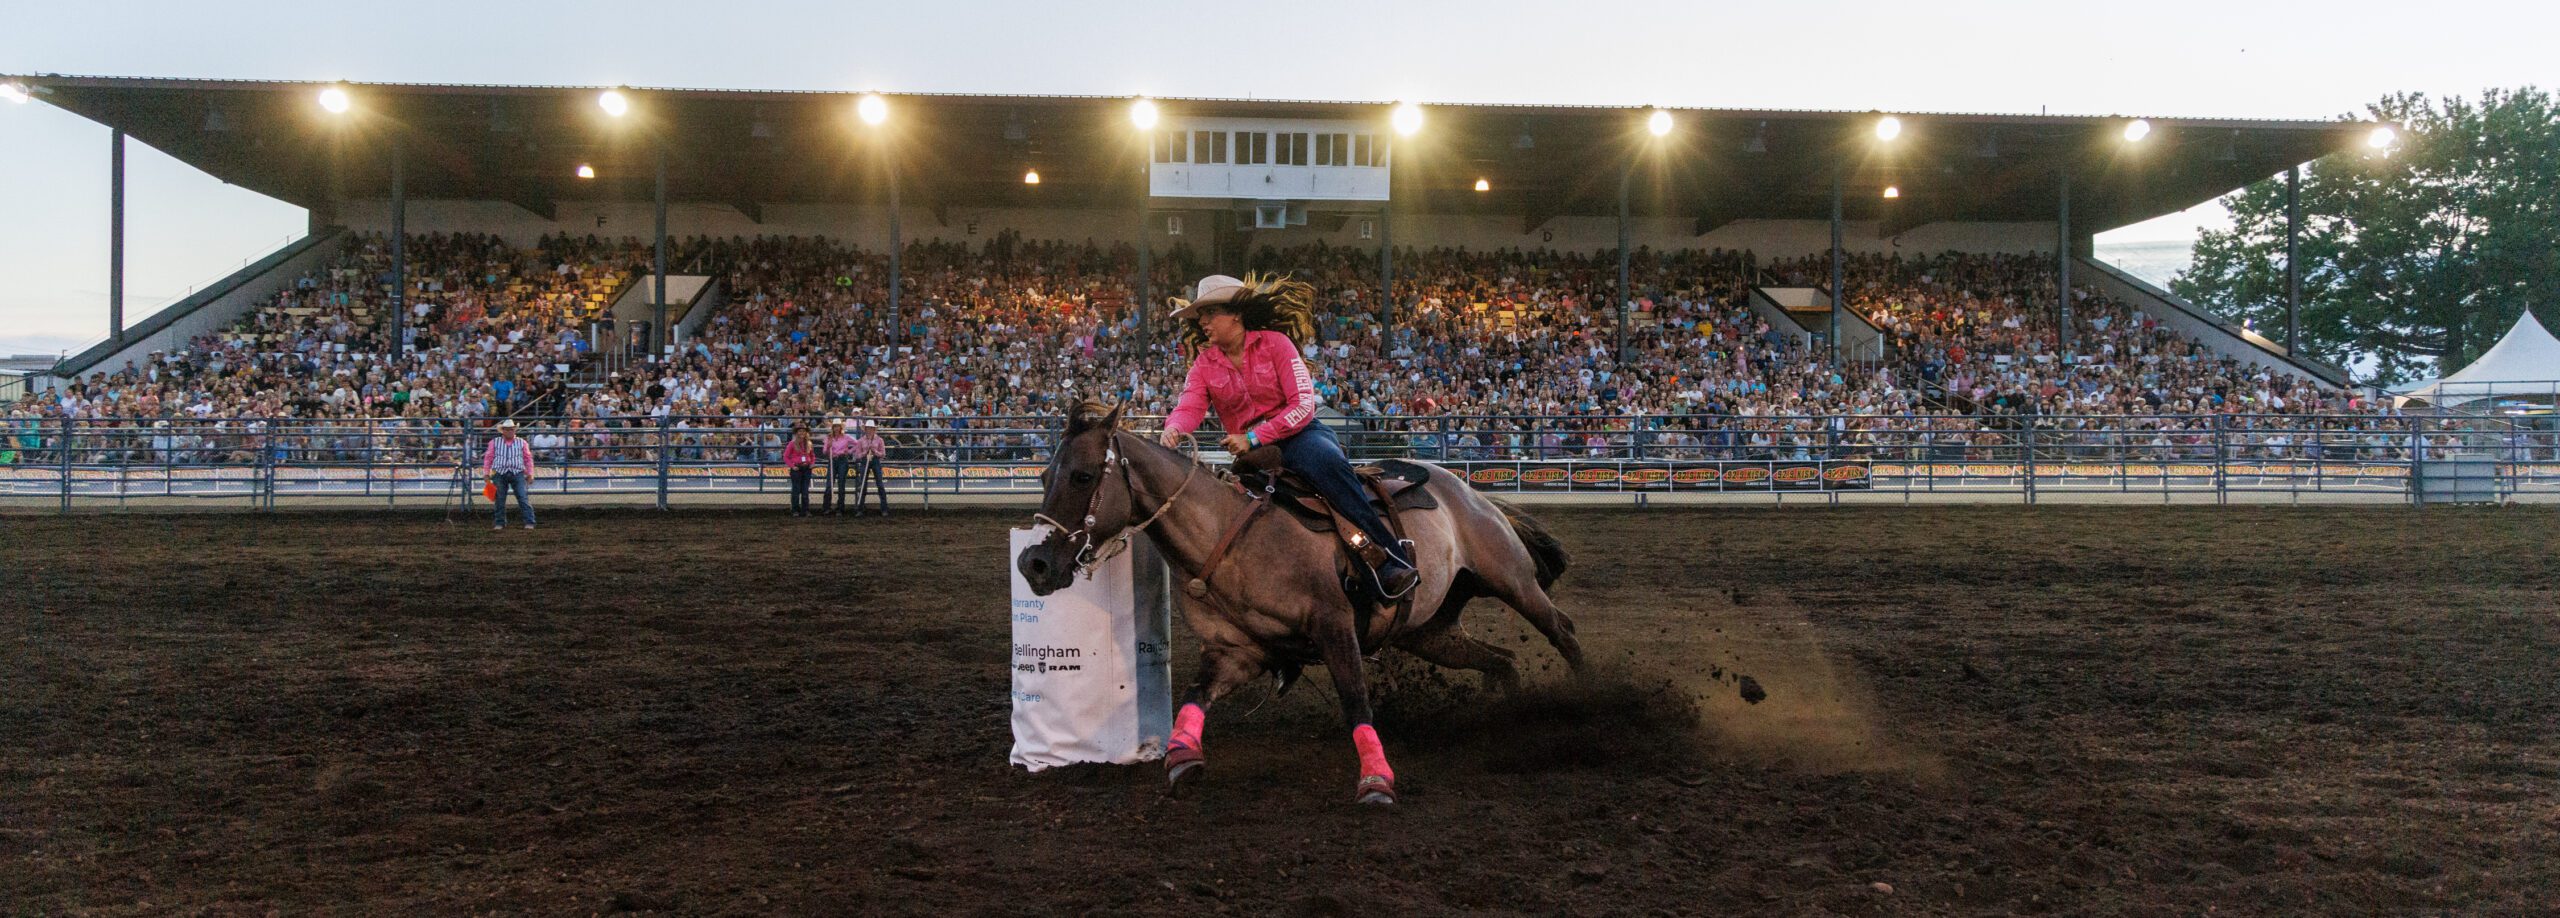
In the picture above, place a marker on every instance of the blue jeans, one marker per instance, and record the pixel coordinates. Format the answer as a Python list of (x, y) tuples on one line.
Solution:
[(506, 482), (1316, 456)]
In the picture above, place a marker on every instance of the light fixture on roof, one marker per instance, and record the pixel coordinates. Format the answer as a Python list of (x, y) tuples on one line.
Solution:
[(1759, 142), (335, 100), (1888, 127), (614, 102), (1143, 113), (15, 92), (872, 108), (2136, 129), (1659, 123), (586, 171), (1484, 185), (1892, 191), (1407, 119), (1031, 177), (2383, 137)]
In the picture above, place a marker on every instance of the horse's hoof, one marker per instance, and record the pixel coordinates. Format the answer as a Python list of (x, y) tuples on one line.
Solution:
[(1182, 776), (1377, 791)]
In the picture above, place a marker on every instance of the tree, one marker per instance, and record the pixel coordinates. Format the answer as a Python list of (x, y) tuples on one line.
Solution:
[(2413, 261)]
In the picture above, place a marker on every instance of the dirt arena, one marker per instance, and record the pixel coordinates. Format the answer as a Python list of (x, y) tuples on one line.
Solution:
[(1968, 711)]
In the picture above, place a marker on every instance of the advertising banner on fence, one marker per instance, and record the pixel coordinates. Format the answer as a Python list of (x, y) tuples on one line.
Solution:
[(1763, 475), (1093, 663)]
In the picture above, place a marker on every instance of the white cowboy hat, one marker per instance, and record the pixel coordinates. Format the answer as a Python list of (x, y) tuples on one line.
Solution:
[(1212, 290), (508, 424), (835, 422)]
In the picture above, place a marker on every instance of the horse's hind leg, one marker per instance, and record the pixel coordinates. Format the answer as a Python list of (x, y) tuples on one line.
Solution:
[(1521, 592), (1455, 649), (1339, 641), (1222, 670)]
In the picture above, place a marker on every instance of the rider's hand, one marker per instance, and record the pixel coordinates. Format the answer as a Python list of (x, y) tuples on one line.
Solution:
[(1171, 438), (1236, 444)]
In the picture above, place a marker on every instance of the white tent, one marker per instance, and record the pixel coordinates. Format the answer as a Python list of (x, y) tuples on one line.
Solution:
[(2524, 363)]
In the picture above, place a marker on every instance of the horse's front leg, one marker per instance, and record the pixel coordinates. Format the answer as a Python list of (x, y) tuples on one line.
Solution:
[(1338, 640), (1222, 670)]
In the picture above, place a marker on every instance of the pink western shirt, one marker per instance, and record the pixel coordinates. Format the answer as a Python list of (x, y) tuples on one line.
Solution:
[(1271, 387)]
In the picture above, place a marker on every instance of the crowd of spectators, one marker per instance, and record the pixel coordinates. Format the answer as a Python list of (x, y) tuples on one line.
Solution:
[(1016, 328)]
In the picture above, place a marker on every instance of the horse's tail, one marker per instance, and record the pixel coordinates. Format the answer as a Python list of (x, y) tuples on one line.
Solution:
[(1543, 547)]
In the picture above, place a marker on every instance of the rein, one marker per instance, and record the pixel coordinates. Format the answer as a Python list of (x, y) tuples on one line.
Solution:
[(1090, 554)]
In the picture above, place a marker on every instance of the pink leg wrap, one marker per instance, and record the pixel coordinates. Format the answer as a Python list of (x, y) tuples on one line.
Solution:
[(1373, 757), (1187, 724)]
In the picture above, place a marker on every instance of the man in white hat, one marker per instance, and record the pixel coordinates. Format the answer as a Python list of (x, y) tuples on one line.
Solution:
[(869, 451), (509, 465)]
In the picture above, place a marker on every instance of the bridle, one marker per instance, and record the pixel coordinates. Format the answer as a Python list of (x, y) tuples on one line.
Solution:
[(1090, 553)]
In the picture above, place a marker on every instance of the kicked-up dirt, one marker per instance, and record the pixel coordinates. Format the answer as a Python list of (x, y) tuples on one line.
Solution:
[(1959, 711)]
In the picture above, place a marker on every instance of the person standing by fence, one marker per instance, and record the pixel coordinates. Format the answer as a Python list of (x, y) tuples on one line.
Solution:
[(509, 465), (839, 452), (801, 459), (868, 452)]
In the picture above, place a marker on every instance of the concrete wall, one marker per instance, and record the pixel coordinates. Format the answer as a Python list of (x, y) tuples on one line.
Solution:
[(212, 309), (869, 226)]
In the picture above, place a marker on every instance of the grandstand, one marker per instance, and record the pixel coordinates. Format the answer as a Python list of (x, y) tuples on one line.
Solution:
[(1505, 282)]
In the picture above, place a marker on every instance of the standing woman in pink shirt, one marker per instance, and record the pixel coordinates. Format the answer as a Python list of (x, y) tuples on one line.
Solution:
[(1246, 334), (801, 458)]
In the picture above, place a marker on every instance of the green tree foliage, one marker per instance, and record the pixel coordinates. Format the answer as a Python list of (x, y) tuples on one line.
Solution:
[(2422, 255)]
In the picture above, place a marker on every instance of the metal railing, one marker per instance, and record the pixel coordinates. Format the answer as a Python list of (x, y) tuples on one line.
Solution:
[(254, 461)]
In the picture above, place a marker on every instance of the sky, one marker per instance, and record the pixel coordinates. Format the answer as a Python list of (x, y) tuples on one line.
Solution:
[(2167, 58)]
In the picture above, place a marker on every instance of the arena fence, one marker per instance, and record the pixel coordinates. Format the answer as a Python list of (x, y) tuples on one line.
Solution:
[(254, 461)]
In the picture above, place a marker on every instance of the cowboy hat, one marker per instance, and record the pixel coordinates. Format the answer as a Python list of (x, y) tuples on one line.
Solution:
[(509, 423), (835, 422), (1211, 291)]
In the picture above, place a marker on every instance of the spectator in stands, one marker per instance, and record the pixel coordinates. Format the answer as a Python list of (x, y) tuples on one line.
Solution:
[(800, 457), (508, 463)]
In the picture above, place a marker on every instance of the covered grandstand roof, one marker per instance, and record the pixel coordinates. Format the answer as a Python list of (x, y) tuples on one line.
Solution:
[(750, 148)]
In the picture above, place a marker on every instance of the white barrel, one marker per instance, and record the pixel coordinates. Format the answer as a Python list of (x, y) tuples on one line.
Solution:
[(1093, 663)]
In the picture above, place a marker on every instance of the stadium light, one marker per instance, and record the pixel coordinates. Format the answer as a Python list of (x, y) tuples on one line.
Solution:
[(872, 108), (1892, 191), (15, 92), (1031, 177), (1888, 127), (2382, 138), (1407, 119), (335, 101), (2137, 129), (586, 171), (1659, 123), (1484, 185), (614, 102), (1143, 113)]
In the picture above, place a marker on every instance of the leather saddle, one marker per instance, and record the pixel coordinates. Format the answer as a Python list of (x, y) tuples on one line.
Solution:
[(1394, 485)]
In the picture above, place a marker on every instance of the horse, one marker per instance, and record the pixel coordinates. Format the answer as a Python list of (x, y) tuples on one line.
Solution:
[(1278, 604)]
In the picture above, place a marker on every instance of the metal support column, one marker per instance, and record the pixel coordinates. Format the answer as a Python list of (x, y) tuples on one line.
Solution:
[(2062, 260), (399, 253), (115, 237), (1146, 275), (1832, 338), (1386, 271), (897, 328), (658, 337), (1626, 174), (2292, 259)]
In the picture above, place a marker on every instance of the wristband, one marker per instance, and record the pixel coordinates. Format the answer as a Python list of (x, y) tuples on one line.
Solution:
[(1252, 439)]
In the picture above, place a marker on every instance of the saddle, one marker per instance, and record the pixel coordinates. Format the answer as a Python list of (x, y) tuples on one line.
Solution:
[(1394, 485)]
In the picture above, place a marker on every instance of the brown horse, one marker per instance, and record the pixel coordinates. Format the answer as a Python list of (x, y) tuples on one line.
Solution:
[(1274, 600)]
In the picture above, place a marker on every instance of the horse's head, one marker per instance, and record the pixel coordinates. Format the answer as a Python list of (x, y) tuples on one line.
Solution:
[(1085, 498)]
